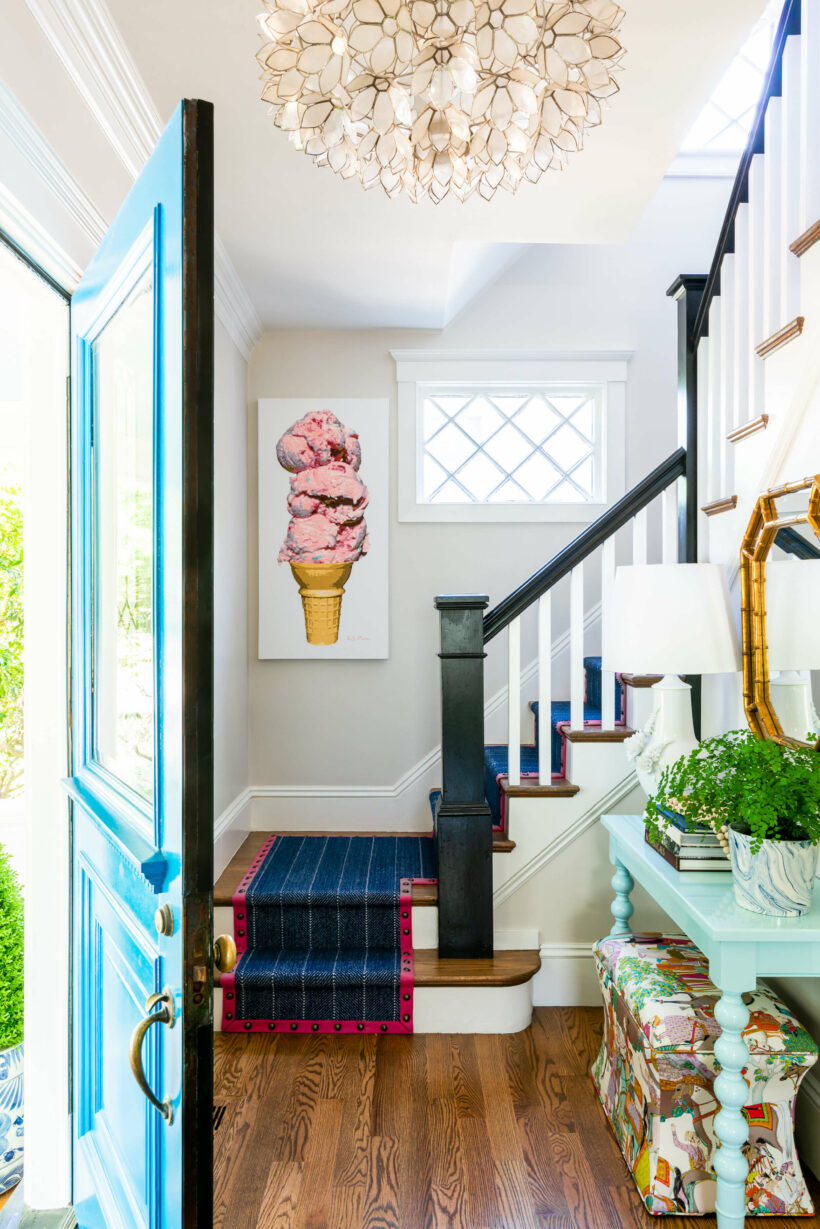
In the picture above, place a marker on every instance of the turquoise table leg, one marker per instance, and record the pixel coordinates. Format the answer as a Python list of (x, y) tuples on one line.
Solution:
[(731, 1127), (621, 907)]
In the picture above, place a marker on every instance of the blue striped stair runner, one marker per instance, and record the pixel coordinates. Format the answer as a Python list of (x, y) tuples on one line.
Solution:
[(324, 935)]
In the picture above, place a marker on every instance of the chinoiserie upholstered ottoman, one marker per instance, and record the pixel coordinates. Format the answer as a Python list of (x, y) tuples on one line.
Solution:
[(656, 1070)]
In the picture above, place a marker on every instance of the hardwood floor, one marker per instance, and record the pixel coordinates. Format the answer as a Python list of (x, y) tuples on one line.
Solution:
[(424, 1132)]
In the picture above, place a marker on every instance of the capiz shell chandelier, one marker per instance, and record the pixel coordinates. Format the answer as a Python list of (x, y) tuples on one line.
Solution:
[(438, 96)]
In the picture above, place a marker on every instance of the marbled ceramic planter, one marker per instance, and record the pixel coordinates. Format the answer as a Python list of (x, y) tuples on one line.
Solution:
[(778, 879), (11, 1117)]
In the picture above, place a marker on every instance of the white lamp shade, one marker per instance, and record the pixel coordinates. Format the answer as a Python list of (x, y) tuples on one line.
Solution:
[(670, 619), (793, 614)]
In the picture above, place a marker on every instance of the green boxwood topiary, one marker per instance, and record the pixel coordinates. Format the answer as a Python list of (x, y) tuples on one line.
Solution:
[(11, 955)]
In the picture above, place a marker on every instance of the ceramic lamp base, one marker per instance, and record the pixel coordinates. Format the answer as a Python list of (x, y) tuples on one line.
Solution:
[(666, 736)]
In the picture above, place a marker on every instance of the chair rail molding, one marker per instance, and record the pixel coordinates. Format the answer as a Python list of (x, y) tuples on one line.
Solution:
[(96, 58)]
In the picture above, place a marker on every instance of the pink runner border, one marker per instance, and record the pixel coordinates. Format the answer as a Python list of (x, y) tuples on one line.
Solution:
[(406, 978)]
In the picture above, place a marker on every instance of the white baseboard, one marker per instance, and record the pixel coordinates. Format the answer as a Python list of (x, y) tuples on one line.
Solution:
[(566, 977), (230, 830)]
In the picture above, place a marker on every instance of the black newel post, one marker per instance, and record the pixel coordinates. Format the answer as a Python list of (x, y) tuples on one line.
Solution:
[(464, 822), (687, 290)]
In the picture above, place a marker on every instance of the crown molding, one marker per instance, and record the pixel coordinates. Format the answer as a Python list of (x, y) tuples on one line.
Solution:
[(30, 142), (36, 242), (93, 53)]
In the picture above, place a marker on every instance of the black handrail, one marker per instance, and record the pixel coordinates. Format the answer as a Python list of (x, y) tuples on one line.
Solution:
[(773, 87), (673, 467), (794, 543)]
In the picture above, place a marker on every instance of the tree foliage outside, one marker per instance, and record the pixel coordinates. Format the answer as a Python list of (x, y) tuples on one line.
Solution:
[(11, 955), (11, 642), (767, 790)]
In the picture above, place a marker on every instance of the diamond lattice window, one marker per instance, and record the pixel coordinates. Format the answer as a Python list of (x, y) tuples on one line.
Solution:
[(506, 447), (724, 124)]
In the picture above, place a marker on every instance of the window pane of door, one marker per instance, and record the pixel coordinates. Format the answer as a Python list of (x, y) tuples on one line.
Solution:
[(123, 365)]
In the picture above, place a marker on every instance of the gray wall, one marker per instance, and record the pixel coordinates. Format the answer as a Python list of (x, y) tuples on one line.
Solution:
[(367, 723)]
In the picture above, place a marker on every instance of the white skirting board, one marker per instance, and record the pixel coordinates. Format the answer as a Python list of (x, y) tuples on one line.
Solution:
[(230, 830), (566, 977)]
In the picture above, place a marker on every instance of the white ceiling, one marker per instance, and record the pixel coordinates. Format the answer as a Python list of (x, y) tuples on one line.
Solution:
[(314, 251)]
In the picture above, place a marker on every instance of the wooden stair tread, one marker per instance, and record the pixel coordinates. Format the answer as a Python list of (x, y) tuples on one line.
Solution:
[(807, 240), (558, 789), (724, 504), (594, 734), (241, 862), (789, 331), (501, 969), (641, 680)]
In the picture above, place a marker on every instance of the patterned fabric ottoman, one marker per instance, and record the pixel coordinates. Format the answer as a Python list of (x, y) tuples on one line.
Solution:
[(656, 1070)]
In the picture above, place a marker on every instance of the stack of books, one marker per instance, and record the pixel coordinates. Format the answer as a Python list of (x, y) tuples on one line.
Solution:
[(693, 847)]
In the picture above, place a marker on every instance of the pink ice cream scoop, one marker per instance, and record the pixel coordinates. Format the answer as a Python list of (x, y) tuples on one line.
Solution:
[(327, 497), (318, 439)]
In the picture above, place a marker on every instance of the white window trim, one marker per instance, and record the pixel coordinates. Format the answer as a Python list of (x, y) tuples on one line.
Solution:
[(417, 369)]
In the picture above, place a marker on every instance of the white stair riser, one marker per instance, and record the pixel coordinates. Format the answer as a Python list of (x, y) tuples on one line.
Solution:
[(457, 1009)]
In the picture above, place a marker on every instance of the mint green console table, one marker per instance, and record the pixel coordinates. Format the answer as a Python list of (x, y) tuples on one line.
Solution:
[(741, 947)]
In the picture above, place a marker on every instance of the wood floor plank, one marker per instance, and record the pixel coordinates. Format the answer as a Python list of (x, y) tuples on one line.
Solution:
[(546, 1188), (380, 1209), (415, 1160), (278, 1209), (482, 1198), (315, 1193), (513, 1195), (357, 1127), (466, 1077), (589, 1203), (393, 1060), (448, 1190), (501, 1122), (294, 1129)]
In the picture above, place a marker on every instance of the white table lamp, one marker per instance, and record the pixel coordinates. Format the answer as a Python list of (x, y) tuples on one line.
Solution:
[(668, 619), (793, 640)]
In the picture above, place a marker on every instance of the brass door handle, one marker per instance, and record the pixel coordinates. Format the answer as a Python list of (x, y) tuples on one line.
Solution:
[(165, 1015), (224, 953)]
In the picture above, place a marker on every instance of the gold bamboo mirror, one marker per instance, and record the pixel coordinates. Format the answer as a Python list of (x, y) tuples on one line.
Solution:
[(779, 572)]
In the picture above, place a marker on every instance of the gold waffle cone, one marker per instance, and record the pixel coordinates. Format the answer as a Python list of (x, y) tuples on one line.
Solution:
[(321, 587)]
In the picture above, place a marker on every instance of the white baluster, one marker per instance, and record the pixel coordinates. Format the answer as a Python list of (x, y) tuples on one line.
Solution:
[(791, 180), (718, 442), (772, 256), (639, 537), (514, 701), (669, 524), (758, 286), (727, 357), (740, 360), (545, 689), (810, 113), (705, 451), (607, 676), (576, 647)]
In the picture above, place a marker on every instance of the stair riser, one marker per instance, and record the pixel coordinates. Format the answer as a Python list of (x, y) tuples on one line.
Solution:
[(456, 1009)]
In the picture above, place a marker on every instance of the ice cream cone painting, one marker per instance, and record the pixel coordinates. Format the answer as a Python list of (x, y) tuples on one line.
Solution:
[(327, 532), (326, 536)]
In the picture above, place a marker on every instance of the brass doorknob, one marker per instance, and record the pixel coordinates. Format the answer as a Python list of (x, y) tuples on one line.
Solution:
[(224, 953)]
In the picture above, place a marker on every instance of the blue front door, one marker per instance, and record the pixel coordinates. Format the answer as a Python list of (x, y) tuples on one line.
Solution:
[(142, 652)]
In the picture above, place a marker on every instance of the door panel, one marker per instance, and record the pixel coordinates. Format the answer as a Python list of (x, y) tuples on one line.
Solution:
[(142, 653)]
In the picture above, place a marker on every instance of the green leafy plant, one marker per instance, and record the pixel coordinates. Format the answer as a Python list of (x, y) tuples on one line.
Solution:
[(767, 790), (11, 643), (11, 955)]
